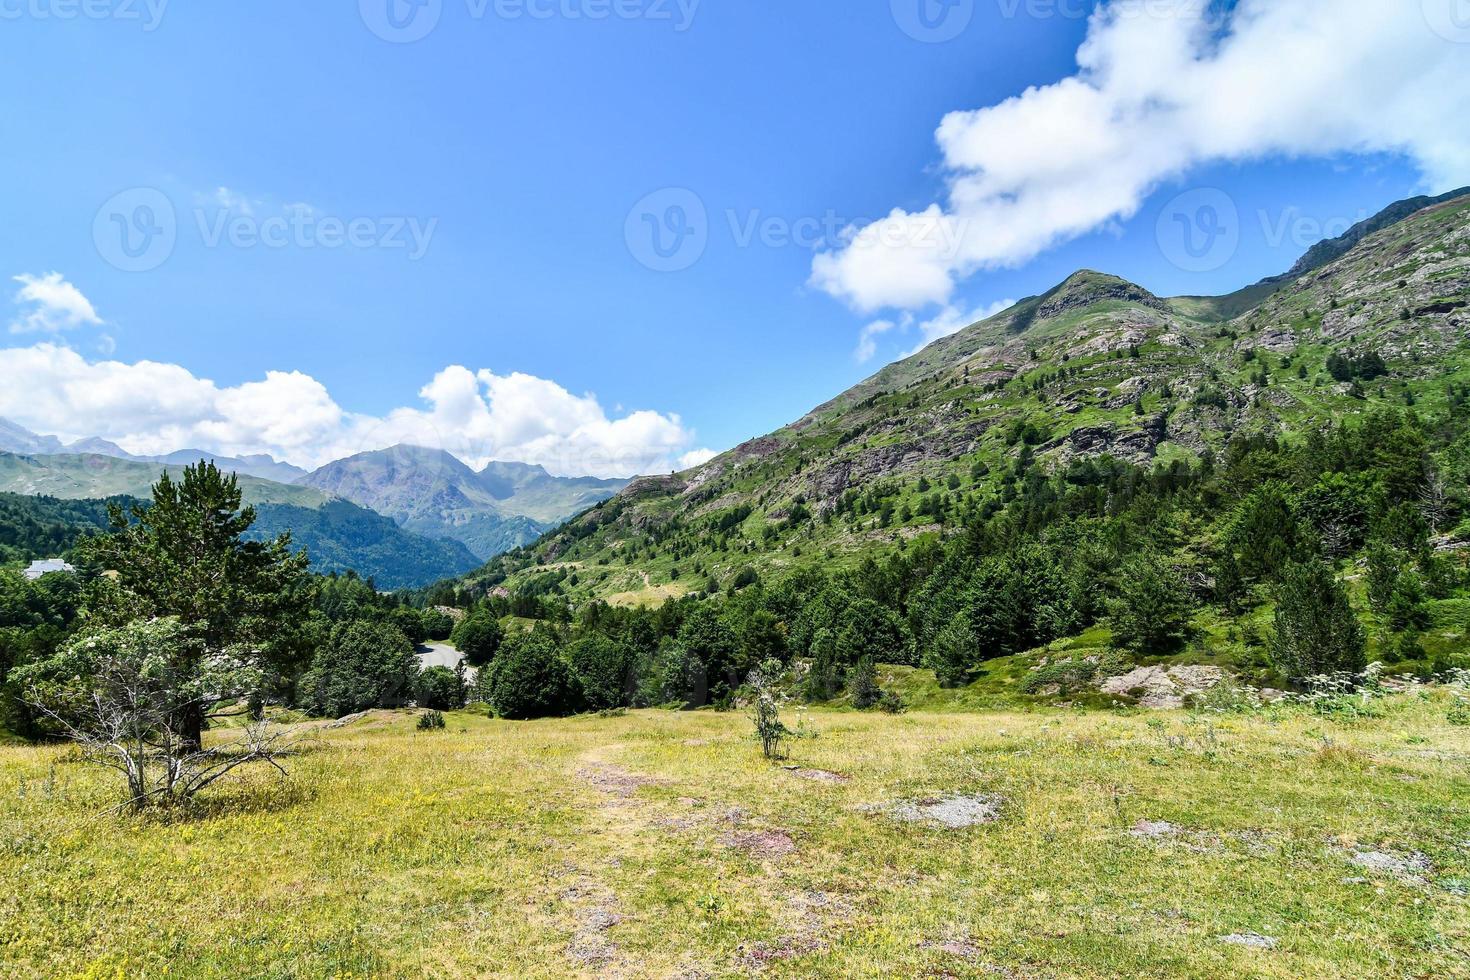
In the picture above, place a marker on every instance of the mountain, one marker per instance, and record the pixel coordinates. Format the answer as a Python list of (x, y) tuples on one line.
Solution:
[(93, 476), (14, 439), (44, 493), (21, 441), (431, 492), (1097, 366)]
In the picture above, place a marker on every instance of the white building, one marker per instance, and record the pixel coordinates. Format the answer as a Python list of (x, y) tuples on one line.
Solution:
[(46, 567)]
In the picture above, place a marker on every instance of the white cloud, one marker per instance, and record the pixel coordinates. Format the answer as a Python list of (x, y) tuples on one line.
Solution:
[(950, 319), (696, 457), (151, 408), (232, 200), (1162, 89), (868, 339), (50, 304)]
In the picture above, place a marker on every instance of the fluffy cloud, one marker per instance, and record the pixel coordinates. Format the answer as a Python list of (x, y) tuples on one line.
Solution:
[(50, 304), (151, 408), (868, 339), (1163, 86), (951, 319)]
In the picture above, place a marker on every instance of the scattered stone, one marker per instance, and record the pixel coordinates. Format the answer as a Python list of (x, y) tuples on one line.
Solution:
[(817, 775), (1154, 828), (760, 843), (954, 812), (1251, 940), (1411, 864), (346, 720), (1160, 689), (614, 781)]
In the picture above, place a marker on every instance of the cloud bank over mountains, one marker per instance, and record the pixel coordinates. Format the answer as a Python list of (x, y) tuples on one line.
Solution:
[(153, 408), (1163, 87)]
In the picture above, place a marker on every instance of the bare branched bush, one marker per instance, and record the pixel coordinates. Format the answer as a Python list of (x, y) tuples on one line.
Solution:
[(128, 697), (766, 715)]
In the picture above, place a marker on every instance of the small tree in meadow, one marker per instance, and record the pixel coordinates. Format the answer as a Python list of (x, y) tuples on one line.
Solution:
[(127, 696), (863, 684), (765, 713)]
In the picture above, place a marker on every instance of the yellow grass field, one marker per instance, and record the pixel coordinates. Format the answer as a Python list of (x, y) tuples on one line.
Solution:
[(662, 845)]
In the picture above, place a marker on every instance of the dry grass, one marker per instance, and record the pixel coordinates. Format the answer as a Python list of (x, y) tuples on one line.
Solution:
[(661, 844)]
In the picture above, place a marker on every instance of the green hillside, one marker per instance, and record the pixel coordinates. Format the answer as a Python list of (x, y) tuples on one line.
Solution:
[(94, 477), (1097, 366)]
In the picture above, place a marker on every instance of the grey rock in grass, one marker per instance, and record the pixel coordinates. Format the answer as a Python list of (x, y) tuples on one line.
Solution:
[(1251, 940)]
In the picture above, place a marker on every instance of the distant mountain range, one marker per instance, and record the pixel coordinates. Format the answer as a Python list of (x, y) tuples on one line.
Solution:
[(339, 535), (431, 492), (449, 517), (14, 439)]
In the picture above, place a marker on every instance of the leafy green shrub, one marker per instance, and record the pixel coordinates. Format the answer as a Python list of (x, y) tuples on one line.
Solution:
[(605, 670), (478, 636), (363, 665), (440, 689), (530, 679), (431, 721), (438, 626)]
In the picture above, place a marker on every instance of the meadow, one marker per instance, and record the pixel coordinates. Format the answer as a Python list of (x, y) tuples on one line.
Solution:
[(1275, 843)]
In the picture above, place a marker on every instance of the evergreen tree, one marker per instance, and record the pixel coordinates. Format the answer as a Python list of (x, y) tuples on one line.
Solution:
[(953, 653), (1153, 607), (186, 557), (1316, 629), (862, 682)]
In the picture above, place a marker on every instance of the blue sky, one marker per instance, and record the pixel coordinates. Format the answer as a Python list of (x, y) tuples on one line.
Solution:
[(517, 145)]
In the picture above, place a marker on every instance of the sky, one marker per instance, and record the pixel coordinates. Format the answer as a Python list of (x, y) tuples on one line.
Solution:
[(616, 236)]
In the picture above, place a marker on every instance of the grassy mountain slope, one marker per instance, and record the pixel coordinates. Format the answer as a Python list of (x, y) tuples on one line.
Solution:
[(1096, 366), (431, 492), (92, 476)]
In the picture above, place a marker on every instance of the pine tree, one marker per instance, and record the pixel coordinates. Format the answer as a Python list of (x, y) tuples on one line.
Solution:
[(1153, 608), (1316, 629), (863, 683), (953, 652)]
